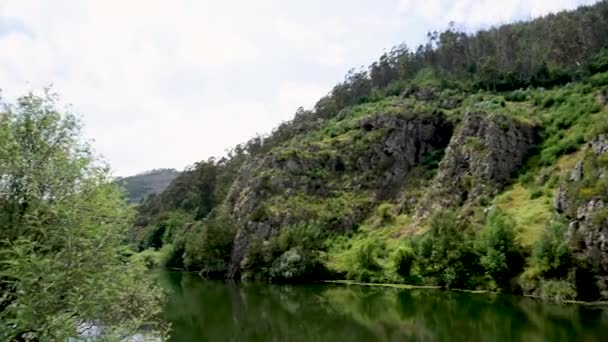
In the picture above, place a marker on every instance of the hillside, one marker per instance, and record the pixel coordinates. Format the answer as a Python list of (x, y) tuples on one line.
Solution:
[(476, 161), (147, 183)]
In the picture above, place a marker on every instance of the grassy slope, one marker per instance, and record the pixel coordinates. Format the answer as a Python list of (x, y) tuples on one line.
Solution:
[(569, 116)]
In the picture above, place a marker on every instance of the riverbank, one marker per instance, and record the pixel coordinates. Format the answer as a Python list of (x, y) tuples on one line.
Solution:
[(412, 287)]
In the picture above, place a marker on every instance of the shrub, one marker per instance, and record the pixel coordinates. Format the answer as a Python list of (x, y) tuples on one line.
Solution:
[(255, 263), (154, 238), (403, 259), (365, 257), (446, 254), (517, 96), (551, 254), (431, 160), (149, 257), (171, 255), (289, 256), (599, 63), (308, 235), (296, 264), (501, 255), (385, 213), (557, 290), (209, 246)]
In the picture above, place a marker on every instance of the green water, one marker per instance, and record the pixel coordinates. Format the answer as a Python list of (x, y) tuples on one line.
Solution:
[(218, 311)]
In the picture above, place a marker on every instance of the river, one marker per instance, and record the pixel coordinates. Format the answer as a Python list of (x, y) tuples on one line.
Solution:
[(202, 310)]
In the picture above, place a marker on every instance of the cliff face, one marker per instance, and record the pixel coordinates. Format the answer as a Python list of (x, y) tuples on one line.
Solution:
[(394, 144), (480, 159), (582, 200)]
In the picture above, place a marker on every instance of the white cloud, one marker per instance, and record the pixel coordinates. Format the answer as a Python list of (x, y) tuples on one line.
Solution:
[(479, 13), (167, 83)]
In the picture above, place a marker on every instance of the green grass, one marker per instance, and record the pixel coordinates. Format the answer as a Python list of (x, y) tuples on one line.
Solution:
[(531, 214)]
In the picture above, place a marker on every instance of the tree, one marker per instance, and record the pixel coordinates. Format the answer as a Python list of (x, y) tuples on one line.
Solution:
[(446, 254), (501, 255), (64, 264)]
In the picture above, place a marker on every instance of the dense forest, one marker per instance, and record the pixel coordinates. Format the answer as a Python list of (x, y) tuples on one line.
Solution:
[(474, 161), (146, 183)]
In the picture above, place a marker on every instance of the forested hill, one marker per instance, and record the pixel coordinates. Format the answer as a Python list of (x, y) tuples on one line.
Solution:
[(146, 183), (473, 161)]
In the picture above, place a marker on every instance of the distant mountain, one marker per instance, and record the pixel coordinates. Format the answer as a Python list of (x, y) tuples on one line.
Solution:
[(146, 183)]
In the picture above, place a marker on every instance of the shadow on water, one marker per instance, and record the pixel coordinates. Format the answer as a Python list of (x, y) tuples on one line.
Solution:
[(217, 311)]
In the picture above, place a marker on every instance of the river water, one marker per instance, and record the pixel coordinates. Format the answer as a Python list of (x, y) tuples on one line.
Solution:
[(202, 310)]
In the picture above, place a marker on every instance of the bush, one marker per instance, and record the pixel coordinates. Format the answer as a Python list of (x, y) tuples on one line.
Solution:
[(149, 257), (551, 254), (154, 238), (501, 255), (308, 235), (171, 255), (209, 246), (297, 264), (365, 257), (385, 213), (403, 259), (290, 256), (446, 254), (517, 96), (557, 290), (599, 63)]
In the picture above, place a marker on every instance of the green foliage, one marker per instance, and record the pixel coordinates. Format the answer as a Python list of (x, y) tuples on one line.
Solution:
[(518, 95), (599, 62), (209, 245), (292, 255), (431, 160), (599, 79), (63, 255), (403, 260), (557, 290), (501, 255), (446, 253), (551, 254), (366, 256), (297, 264), (385, 212)]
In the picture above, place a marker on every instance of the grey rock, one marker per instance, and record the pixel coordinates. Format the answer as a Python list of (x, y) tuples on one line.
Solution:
[(587, 225), (561, 203), (481, 157), (600, 144), (405, 140), (577, 172)]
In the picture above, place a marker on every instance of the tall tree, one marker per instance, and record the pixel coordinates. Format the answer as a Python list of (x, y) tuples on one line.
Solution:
[(64, 265)]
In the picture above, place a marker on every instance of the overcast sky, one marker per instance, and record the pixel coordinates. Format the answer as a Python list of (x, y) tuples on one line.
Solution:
[(168, 83)]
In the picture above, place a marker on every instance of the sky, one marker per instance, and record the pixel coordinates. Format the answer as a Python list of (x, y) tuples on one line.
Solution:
[(167, 83)]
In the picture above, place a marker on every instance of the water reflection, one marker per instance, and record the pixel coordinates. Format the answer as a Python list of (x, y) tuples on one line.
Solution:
[(217, 311)]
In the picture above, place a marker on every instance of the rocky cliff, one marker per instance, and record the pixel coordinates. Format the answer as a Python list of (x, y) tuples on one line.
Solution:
[(480, 159), (582, 200), (430, 180), (394, 144)]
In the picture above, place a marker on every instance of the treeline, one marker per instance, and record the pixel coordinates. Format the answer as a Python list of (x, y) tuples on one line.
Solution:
[(547, 51)]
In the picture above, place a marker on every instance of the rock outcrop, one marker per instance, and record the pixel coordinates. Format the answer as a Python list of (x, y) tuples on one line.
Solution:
[(481, 157), (582, 199), (387, 147)]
